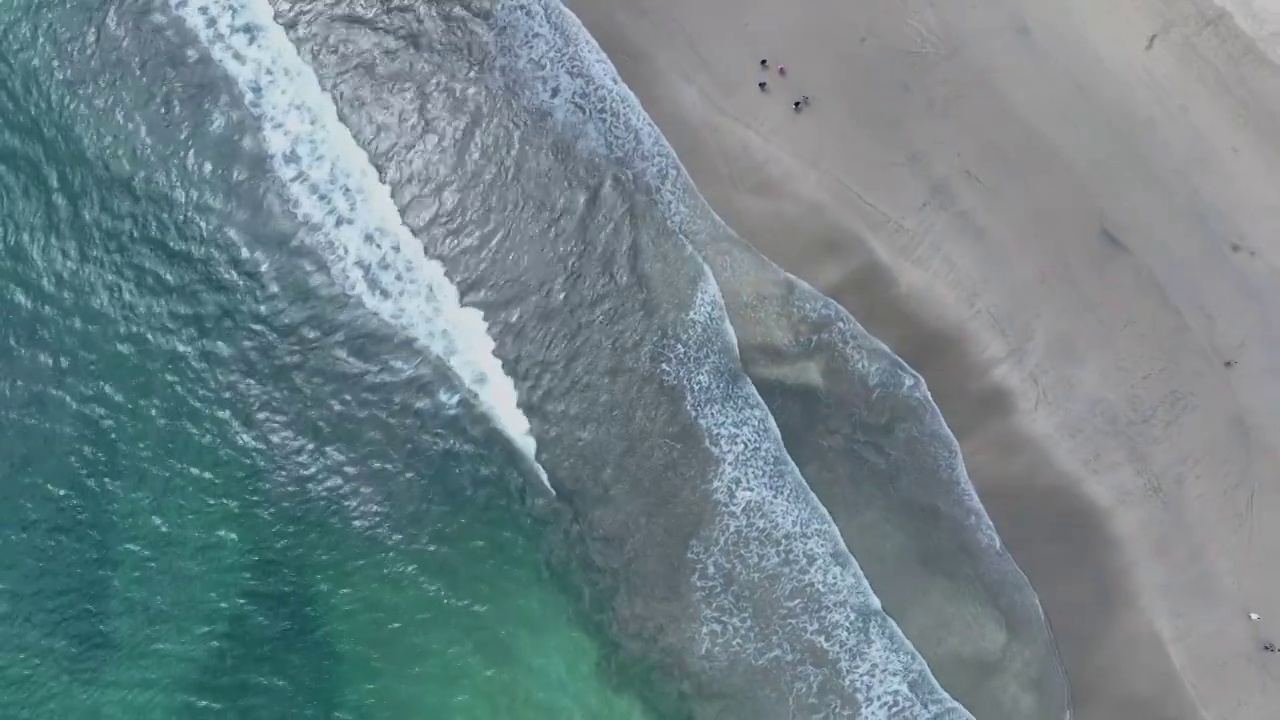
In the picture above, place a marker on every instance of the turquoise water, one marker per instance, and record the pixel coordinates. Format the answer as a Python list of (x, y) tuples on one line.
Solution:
[(168, 417)]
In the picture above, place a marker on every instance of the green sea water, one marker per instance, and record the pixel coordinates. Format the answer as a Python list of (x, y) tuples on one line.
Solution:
[(224, 493)]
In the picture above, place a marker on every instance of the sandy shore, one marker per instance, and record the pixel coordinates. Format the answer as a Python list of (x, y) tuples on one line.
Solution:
[(1066, 216)]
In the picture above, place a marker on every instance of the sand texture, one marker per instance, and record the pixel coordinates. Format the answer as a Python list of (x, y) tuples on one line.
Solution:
[(1066, 216)]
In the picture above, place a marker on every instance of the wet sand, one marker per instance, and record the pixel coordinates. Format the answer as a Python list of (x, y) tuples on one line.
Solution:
[(1064, 217)]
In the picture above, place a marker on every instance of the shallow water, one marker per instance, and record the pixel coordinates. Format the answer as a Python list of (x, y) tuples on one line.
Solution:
[(271, 460), (858, 422)]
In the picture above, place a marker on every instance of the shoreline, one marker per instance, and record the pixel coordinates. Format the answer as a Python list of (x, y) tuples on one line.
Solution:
[(1063, 263)]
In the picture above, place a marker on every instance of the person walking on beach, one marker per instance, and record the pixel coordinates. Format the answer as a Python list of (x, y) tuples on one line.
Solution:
[(796, 106), (762, 85)]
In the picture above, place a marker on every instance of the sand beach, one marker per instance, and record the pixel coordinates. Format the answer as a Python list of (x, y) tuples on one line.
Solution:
[(1065, 216)]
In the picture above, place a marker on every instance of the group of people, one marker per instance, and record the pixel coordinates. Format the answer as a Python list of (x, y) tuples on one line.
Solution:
[(798, 105)]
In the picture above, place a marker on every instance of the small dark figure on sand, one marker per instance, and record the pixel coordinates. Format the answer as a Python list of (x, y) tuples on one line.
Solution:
[(762, 85), (764, 63), (797, 105), (1270, 647), (804, 99)]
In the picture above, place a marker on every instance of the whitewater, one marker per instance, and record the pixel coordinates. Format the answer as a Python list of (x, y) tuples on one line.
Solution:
[(772, 525), (348, 211), (1260, 19), (563, 71)]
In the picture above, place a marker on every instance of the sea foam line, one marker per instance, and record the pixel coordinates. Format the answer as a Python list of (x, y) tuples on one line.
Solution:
[(1260, 20), (605, 112), (563, 70), (769, 513), (771, 532), (335, 191)]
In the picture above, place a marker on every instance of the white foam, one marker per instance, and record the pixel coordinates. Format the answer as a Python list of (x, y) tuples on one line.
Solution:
[(349, 213), (1260, 19), (771, 533), (770, 516), (547, 49), (566, 73)]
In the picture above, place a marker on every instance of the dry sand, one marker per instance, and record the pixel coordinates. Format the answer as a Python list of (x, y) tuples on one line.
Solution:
[(1066, 216)]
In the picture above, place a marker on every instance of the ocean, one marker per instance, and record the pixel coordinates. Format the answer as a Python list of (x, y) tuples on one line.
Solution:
[(379, 360)]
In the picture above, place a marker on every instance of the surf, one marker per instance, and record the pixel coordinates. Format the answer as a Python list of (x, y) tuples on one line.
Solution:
[(771, 536), (791, 336), (772, 532), (347, 211)]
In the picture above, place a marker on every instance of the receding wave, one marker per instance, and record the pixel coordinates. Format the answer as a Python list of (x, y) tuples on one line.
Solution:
[(348, 212), (894, 474), (770, 528), (596, 264)]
